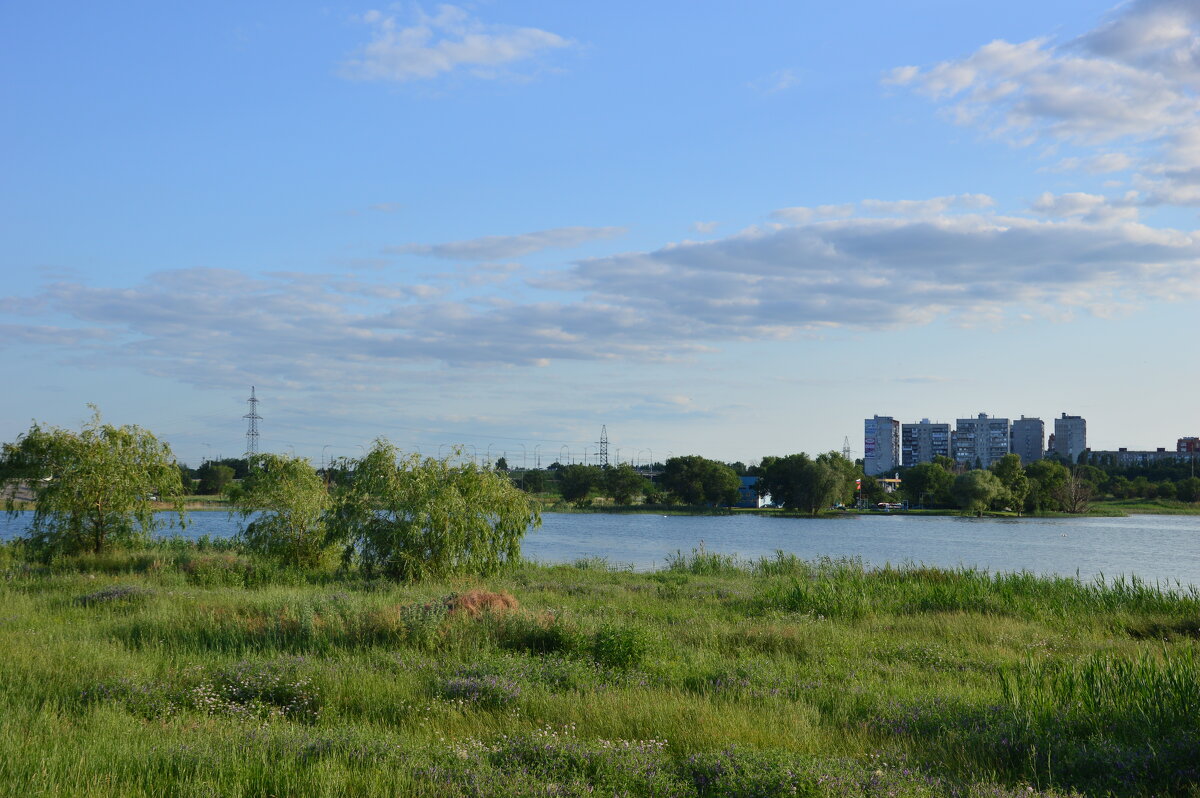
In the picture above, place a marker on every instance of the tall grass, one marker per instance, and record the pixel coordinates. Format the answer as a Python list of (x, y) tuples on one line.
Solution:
[(189, 670)]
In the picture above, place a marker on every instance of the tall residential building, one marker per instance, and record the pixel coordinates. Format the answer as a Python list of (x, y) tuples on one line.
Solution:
[(1027, 439), (881, 445), (1070, 437), (1188, 446), (920, 443), (980, 440)]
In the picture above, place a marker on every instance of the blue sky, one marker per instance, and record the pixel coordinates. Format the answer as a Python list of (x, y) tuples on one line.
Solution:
[(719, 229)]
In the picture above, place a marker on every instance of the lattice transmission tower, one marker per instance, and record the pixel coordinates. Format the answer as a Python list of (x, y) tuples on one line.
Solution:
[(846, 448), (252, 425), (603, 446)]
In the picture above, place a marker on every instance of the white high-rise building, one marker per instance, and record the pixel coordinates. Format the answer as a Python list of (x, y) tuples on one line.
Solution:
[(881, 445), (980, 441), (1070, 437)]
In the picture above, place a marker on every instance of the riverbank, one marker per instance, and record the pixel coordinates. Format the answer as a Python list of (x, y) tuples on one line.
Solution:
[(1107, 508), (1101, 509), (185, 670)]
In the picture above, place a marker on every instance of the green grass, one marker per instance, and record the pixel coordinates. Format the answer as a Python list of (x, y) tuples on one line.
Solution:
[(1147, 507), (180, 670)]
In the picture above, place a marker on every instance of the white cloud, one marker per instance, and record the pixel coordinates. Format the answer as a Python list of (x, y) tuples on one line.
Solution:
[(777, 81), (442, 43), (1104, 163), (215, 327), (928, 207), (1089, 207), (705, 227), (500, 247), (1126, 90), (803, 215)]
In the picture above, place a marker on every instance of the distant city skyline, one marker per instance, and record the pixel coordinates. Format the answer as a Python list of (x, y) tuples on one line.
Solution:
[(716, 231)]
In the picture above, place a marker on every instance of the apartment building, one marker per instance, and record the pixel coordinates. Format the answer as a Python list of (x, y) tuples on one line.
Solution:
[(1070, 437), (920, 443), (980, 441), (881, 445), (1027, 439)]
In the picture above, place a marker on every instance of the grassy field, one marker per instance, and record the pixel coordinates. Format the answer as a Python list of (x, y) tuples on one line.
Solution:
[(180, 671)]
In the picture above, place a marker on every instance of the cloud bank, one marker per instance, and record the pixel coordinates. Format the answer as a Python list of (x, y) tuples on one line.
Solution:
[(768, 283)]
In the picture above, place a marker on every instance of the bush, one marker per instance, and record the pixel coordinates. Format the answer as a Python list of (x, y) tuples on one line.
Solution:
[(115, 594), (547, 633), (417, 518), (488, 690), (620, 646)]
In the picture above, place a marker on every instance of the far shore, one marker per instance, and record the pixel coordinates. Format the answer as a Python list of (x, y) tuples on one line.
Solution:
[(1118, 508)]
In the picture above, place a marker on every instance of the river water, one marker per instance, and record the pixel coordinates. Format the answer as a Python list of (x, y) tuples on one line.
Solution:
[(1163, 549)]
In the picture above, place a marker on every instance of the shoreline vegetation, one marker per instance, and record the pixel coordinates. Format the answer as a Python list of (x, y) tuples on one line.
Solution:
[(1103, 508), (202, 668)]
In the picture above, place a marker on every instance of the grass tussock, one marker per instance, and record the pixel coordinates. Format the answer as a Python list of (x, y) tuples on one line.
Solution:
[(185, 669)]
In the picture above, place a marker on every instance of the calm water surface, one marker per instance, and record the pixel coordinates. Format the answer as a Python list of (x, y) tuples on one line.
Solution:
[(1156, 548)]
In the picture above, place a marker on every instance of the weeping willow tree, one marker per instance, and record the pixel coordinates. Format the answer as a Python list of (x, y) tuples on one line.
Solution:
[(287, 500), (411, 518), (92, 489)]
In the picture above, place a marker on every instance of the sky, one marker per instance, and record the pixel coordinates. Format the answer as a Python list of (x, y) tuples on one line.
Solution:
[(706, 227)]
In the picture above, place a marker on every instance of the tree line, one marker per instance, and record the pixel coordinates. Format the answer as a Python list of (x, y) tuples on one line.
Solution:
[(1047, 485), (397, 516)]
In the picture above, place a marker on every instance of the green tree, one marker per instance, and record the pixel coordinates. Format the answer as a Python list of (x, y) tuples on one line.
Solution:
[(1119, 487), (624, 484), (799, 482), (1016, 485), (1188, 490), (928, 484), (1046, 479), (288, 499), (415, 518), (214, 478), (697, 480), (576, 481), (92, 488), (947, 463), (502, 464), (1142, 488), (847, 473), (975, 490), (533, 481)]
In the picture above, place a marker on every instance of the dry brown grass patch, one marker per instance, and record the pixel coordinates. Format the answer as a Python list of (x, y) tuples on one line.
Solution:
[(474, 603)]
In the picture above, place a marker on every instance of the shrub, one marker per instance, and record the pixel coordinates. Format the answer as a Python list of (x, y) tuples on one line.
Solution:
[(546, 633), (422, 623), (488, 690), (115, 594), (620, 646), (266, 688)]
